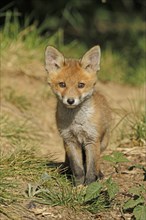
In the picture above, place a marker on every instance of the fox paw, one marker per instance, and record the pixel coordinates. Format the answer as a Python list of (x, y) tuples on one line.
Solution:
[(93, 178)]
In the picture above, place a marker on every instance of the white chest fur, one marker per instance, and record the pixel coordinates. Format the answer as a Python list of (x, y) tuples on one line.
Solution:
[(76, 125)]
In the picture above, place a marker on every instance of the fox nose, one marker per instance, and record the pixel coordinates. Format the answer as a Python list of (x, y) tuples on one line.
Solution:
[(70, 101)]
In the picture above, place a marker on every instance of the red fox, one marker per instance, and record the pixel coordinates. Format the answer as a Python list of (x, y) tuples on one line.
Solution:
[(83, 115)]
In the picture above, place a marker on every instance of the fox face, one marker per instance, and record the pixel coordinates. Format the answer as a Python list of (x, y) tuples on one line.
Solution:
[(72, 81)]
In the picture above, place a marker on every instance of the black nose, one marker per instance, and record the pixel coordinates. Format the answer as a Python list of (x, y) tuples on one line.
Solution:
[(70, 101)]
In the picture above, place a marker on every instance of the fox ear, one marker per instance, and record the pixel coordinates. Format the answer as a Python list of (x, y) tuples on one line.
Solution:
[(53, 59), (91, 59)]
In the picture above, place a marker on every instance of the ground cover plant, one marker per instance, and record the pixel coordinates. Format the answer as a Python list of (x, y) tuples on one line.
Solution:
[(29, 186)]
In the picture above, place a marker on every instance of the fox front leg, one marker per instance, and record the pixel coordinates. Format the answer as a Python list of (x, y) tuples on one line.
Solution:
[(74, 156), (93, 172)]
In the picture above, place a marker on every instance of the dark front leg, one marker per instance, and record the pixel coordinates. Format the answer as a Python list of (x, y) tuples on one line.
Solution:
[(74, 156), (93, 172)]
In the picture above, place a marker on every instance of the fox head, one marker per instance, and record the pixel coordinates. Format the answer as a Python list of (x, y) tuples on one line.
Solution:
[(71, 80)]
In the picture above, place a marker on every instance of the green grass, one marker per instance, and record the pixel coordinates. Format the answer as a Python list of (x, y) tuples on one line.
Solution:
[(26, 176), (138, 128), (18, 160), (31, 39), (135, 124), (20, 101), (131, 124), (57, 190), (26, 42)]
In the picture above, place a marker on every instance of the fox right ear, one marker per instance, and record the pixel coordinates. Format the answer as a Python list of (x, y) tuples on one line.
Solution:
[(91, 59), (53, 59)]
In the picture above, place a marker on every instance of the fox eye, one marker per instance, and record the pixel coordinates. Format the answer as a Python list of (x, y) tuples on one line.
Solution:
[(81, 85), (62, 84)]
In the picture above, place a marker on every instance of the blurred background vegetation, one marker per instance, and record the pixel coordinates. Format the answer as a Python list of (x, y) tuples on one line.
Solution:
[(75, 25)]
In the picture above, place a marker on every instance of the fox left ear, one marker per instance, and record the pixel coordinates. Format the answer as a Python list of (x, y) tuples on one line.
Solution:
[(91, 59), (54, 60)]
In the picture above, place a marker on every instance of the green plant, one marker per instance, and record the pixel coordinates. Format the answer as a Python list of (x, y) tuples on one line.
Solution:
[(137, 203), (116, 159), (99, 196)]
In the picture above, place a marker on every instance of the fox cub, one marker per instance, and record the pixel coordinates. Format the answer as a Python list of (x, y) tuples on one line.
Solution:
[(83, 116)]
